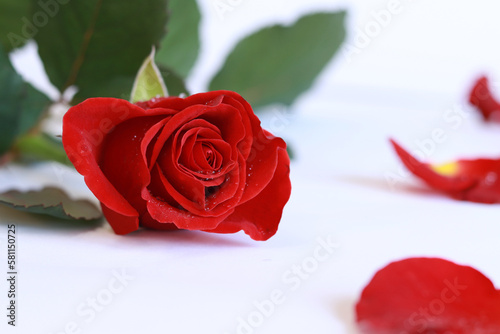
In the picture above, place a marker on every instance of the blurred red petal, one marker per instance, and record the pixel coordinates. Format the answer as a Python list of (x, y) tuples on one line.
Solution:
[(470, 180), (429, 295), (483, 99)]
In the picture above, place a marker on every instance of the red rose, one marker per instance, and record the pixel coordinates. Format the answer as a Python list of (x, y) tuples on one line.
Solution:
[(198, 163)]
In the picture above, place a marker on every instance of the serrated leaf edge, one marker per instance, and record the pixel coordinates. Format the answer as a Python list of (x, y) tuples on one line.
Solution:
[(15, 206)]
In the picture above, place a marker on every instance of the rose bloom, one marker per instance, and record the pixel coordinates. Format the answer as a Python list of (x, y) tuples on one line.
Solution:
[(196, 163)]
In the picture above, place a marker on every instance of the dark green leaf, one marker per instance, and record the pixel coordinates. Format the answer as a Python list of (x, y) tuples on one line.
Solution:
[(21, 105), (16, 25), (41, 146), (179, 49), (290, 151), (51, 201), (99, 45), (278, 63), (175, 84)]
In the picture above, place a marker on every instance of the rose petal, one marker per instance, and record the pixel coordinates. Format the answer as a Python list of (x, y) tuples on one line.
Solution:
[(471, 180), (84, 128), (183, 186), (177, 103), (214, 99), (261, 163), (204, 205), (207, 157), (157, 189), (121, 223), (227, 113), (260, 216), (189, 153), (483, 99), (229, 193), (428, 295), (164, 215), (170, 102), (122, 147), (148, 222), (237, 130)]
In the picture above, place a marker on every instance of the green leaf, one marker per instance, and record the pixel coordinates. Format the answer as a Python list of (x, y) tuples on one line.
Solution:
[(148, 82), (98, 45), (290, 151), (15, 25), (41, 146), (278, 63), (179, 49), (51, 201), (21, 105), (175, 84)]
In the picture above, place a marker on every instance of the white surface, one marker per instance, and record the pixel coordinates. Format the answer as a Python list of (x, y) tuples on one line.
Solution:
[(403, 85)]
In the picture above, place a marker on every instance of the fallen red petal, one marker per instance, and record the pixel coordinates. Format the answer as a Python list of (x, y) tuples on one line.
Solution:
[(469, 180), (483, 99), (428, 295)]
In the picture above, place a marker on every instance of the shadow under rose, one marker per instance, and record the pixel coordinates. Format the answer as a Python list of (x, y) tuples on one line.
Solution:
[(191, 238), (40, 223), (381, 184)]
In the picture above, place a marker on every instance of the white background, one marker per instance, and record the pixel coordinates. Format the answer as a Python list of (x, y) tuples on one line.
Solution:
[(347, 186)]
